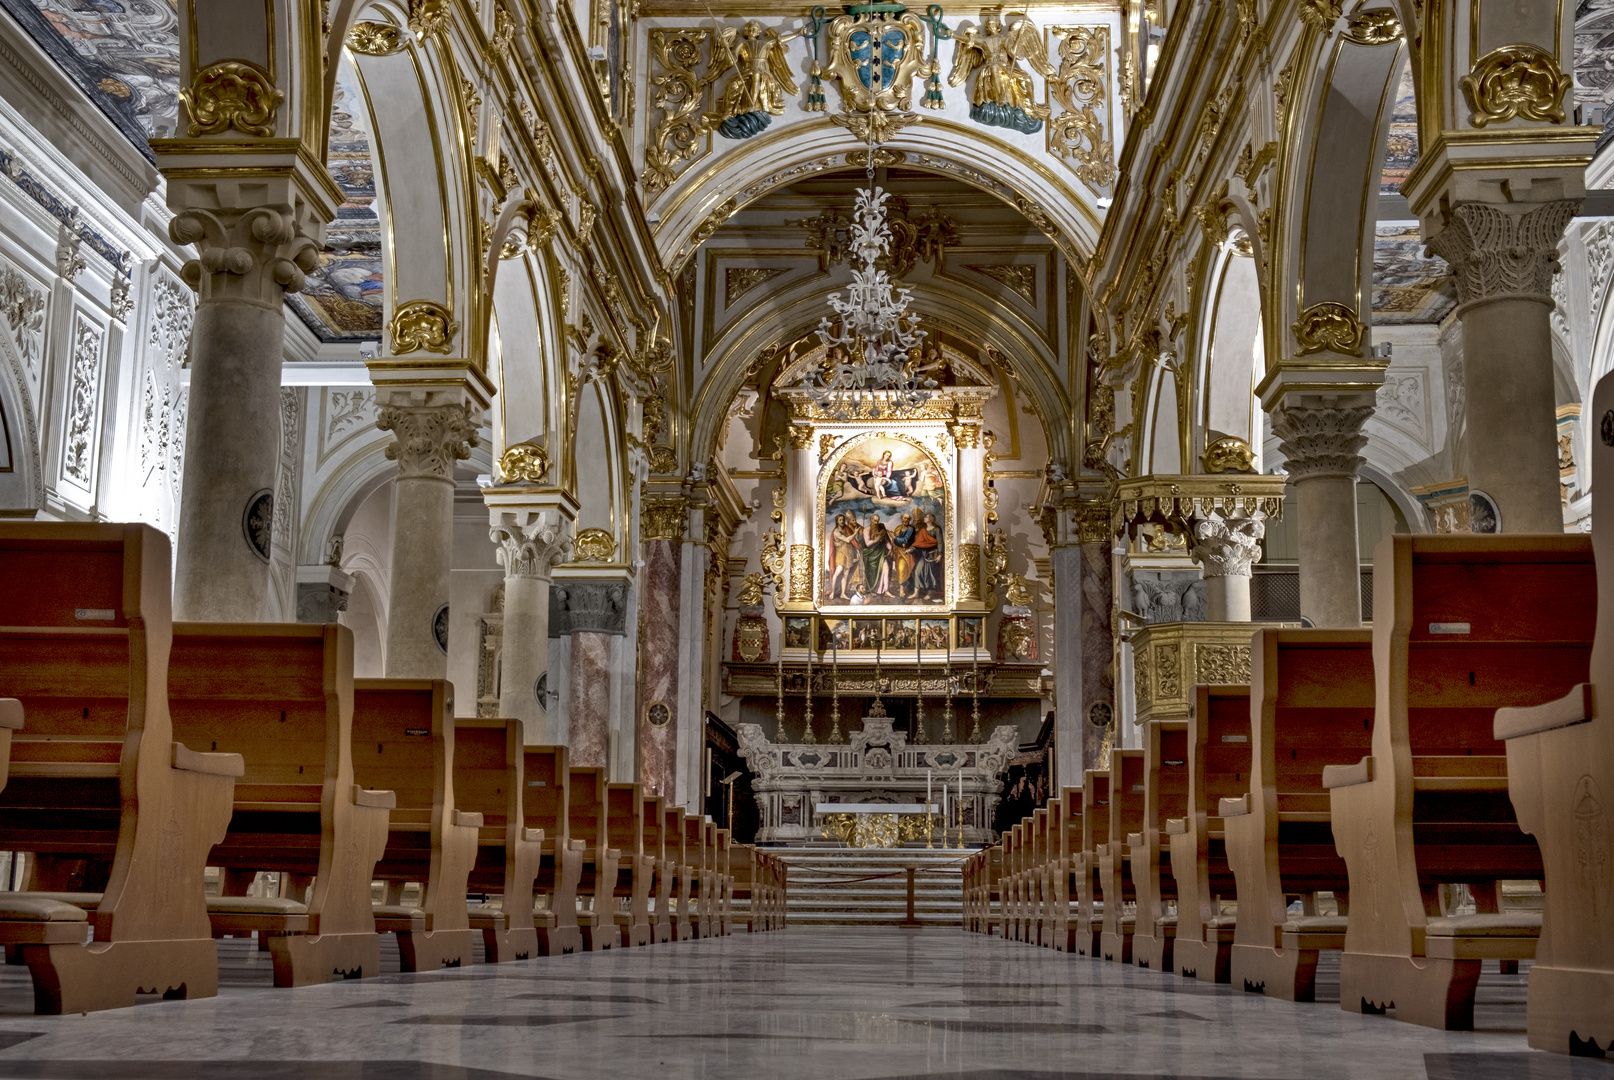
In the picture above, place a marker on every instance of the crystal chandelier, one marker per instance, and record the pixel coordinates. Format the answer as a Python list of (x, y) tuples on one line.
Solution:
[(872, 358)]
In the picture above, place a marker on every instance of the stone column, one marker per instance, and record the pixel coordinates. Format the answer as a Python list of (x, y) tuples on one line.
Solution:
[(432, 431), (1083, 573), (663, 522), (970, 510), (531, 526), (1503, 259), (592, 613), (249, 258), (1321, 436), (801, 471), (1225, 545)]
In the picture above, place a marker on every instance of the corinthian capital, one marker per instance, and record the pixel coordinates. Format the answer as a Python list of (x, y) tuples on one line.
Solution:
[(429, 439), (1320, 436), (259, 254), (1497, 253), (529, 542), (1227, 544)]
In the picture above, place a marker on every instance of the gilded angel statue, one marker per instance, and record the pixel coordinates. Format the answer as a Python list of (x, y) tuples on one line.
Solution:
[(1003, 94), (756, 91)]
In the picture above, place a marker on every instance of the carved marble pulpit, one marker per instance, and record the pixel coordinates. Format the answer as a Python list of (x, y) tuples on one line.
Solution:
[(875, 765)]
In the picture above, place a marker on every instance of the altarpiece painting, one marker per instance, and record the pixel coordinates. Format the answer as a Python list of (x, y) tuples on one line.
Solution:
[(884, 524)]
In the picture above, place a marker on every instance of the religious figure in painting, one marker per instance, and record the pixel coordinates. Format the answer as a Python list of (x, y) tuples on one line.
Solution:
[(883, 503)]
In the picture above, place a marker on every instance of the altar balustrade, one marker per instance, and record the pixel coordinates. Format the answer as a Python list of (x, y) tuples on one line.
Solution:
[(798, 785)]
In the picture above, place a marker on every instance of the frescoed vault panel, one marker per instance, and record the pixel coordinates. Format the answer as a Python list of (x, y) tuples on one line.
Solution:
[(1408, 286)]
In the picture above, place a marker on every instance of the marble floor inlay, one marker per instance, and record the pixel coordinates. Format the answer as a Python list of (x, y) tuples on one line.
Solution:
[(804, 1004)]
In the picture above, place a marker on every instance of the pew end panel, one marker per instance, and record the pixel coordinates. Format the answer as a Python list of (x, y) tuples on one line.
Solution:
[(547, 797), (586, 811), (489, 777), (1218, 755), (625, 830)]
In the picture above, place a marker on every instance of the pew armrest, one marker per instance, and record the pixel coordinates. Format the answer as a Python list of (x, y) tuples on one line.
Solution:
[(190, 760), (1574, 707), (11, 714), (465, 820), (1134, 839), (1336, 776), (1177, 826), (1506, 936), (533, 836), (1238, 807), (366, 797)]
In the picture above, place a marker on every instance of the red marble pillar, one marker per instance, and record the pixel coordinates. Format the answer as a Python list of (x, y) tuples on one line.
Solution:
[(658, 660), (589, 708)]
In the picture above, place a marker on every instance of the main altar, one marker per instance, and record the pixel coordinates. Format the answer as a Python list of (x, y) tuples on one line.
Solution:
[(799, 785)]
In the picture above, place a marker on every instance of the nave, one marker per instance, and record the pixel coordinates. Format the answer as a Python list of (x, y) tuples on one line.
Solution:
[(879, 1003)]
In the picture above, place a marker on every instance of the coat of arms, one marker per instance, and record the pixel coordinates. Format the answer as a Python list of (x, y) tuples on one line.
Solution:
[(875, 52)]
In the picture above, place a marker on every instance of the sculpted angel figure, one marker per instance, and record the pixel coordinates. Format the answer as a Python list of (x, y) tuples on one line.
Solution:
[(1003, 94), (762, 77)]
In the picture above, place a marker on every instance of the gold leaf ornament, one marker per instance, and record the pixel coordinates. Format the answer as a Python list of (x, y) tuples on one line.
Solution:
[(232, 95), (422, 326), (1329, 327), (594, 545), (525, 463), (375, 38), (1516, 82)]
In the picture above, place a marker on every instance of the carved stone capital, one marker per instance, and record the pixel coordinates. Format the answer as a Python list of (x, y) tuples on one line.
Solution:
[(664, 519), (801, 436), (1501, 253), (1322, 439), (528, 542), (260, 253), (595, 607), (429, 439), (1226, 545)]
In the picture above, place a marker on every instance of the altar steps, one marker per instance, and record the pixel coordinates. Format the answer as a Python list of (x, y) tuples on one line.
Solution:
[(820, 893)]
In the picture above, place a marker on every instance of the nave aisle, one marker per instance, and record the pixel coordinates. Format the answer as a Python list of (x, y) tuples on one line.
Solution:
[(803, 1004)]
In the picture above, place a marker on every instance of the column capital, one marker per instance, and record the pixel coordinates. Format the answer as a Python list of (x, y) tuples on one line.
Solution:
[(1503, 252), (1227, 544), (429, 439), (256, 212), (1321, 435), (531, 534), (595, 607)]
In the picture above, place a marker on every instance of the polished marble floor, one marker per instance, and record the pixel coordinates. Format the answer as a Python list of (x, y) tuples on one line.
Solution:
[(803, 1004)]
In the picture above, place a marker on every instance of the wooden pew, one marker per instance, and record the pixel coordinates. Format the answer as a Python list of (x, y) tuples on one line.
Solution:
[(1053, 900), (587, 811), (725, 882), (549, 784), (1095, 834), (992, 892), (11, 719), (681, 873), (281, 695), (430, 840), (781, 892), (1040, 934), (1560, 773), (490, 775), (1011, 882), (698, 855), (625, 828), (655, 846), (743, 871), (1463, 625), (1311, 703), (1068, 837), (1165, 796), (1114, 858), (1218, 768), (85, 633)]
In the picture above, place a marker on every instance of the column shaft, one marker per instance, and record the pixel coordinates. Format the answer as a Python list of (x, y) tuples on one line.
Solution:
[(589, 718), (659, 657), (422, 555), (531, 527), (1321, 438), (232, 447), (525, 654)]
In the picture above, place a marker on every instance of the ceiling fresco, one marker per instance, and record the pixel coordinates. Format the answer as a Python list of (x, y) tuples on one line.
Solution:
[(1408, 285), (124, 54)]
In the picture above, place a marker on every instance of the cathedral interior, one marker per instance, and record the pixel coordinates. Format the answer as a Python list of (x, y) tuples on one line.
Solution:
[(813, 507)]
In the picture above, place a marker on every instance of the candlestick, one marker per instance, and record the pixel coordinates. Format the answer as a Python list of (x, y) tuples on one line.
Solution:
[(947, 701), (779, 713), (835, 685), (961, 809), (919, 733), (809, 702), (930, 819), (879, 639), (944, 815), (975, 686)]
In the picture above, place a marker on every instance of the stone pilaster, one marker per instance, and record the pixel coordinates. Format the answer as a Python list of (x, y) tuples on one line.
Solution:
[(662, 526), (257, 232), (1503, 259), (1226, 545), (531, 527), (1083, 577), (1321, 439)]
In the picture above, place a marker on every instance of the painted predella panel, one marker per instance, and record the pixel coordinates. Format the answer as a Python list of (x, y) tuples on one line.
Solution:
[(884, 525)]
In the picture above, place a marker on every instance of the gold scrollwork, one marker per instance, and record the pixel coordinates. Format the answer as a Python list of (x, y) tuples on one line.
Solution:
[(1229, 454), (1329, 327), (969, 571), (427, 17), (375, 39), (1093, 522), (232, 95), (801, 572), (422, 326), (1376, 26), (524, 463), (663, 460), (1079, 87), (826, 446), (679, 93), (1516, 82), (801, 436), (593, 545)]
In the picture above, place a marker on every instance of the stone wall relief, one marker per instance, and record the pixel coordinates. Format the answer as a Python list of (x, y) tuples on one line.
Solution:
[(82, 406)]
